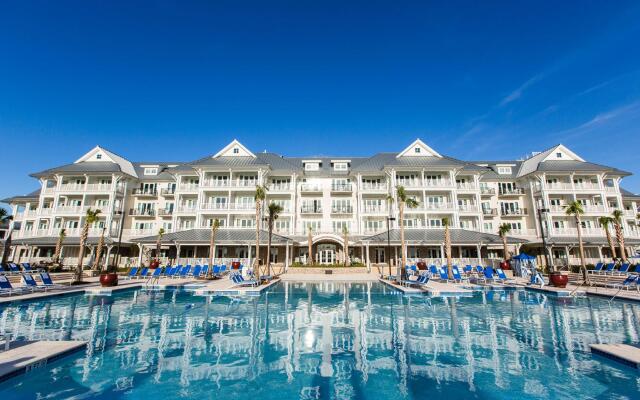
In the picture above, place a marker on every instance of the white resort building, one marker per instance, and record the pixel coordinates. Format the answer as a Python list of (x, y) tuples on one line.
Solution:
[(321, 196)]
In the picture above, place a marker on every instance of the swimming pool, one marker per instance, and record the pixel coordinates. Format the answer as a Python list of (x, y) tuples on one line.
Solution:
[(327, 341)]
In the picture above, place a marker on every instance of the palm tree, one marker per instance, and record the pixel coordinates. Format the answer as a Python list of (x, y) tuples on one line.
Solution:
[(310, 243), (99, 247), (617, 224), (390, 205), (447, 246), (259, 196), (61, 236), (503, 230), (575, 208), (403, 201), (345, 235), (4, 219), (273, 212), (604, 222), (161, 232), (215, 225), (90, 218)]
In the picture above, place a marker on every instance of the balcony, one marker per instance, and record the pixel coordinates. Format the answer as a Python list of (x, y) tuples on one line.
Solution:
[(280, 187), (310, 188), (374, 187), (168, 191), (468, 208), (142, 232), (518, 212), (242, 206), (163, 212), (439, 207), (591, 208), (487, 191), (186, 209), (586, 186), (438, 183), (72, 187), (144, 192), (341, 188), (311, 210), (214, 206), (70, 209), (489, 212), (374, 209), (630, 213), (215, 183), (574, 232), (511, 192), (409, 183), (342, 210), (188, 187), (244, 184), (466, 186), (135, 212), (558, 186), (99, 187)]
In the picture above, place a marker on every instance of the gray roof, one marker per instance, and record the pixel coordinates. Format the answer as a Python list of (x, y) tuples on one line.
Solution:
[(627, 194), (30, 196), (223, 236), (381, 160), (436, 237), (52, 240), (84, 167), (587, 241), (163, 171), (569, 165)]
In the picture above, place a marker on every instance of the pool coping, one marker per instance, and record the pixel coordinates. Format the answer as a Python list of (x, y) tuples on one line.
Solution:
[(41, 353)]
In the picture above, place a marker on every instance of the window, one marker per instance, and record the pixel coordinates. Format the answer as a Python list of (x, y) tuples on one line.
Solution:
[(504, 170), (311, 166), (151, 171), (338, 226), (98, 156), (435, 223), (417, 150), (236, 150), (340, 166), (314, 225), (558, 155)]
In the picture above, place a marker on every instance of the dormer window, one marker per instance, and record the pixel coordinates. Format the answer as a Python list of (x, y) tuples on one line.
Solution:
[(558, 155), (341, 166), (504, 170), (98, 156), (311, 166), (417, 150), (151, 171), (236, 150)]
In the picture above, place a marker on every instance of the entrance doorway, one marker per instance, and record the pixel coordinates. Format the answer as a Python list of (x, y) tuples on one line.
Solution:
[(379, 256), (327, 253)]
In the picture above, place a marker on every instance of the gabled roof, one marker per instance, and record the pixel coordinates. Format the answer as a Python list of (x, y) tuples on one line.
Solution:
[(98, 154), (98, 160), (234, 149), (629, 195), (30, 196), (560, 158), (418, 149)]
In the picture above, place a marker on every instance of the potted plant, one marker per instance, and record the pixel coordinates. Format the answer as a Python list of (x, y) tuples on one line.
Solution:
[(109, 277), (559, 278)]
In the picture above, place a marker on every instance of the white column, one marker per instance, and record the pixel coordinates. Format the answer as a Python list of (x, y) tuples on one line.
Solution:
[(286, 257), (140, 246)]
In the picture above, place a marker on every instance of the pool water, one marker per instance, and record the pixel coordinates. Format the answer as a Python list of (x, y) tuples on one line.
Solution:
[(326, 341)]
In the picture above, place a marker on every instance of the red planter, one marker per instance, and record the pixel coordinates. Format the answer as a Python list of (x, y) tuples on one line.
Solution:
[(558, 279), (108, 280), (154, 264), (505, 265), (235, 265)]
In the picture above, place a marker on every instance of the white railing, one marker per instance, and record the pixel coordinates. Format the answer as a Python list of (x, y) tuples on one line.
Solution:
[(70, 209), (468, 208), (559, 186), (374, 209), (215, 183), (47, 190), (374, 186), (186, 187), (588, 208), (341, 187), (186, 209), (586, 186), (30, 213), (308, 187), (280, 187), (574, 232), (139, 232), (438, 206), (466, 186), (214, 206), (72, 187), (244, 183), (438, 183), (409, 183), (99, 187)]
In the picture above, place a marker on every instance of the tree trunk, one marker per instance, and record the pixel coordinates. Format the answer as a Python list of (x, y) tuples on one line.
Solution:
[(83, 241), (346, 250), (610, 241), (7, 245), (403, 254), (269, 249), (583, 265), (620, 239), (310, 257), (257, 255), (212, 246), (56, 255), (96, 263), (505, 247), (447, 250)]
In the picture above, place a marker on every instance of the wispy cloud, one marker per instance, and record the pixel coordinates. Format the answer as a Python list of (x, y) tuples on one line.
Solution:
[(516, 94), (600, 120)]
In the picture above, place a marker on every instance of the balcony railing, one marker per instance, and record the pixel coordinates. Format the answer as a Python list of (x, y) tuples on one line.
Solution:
[(374, 186), (342, 210), (342, 187), (374, 209), (280, 187), (511, 192), (466, 186), (144, 192), (188, 187), (136, 212), (163, 212), (70, 209), (409, 183), (487, 191), (168, 191), (99, 187), (214, 206), (594, 208), (558, 186), (445, 183), (489, 212), (72, 187), (215, 183), (574, 232), (471, 208), (438, 206), (311, 210), (308, 187), (514, 213), (186, 209), (244, 183)]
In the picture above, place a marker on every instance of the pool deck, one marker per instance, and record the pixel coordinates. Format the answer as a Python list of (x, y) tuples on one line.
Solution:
[(433, 288), (623, 353), (321, 277), (225, 287), (26, 356)]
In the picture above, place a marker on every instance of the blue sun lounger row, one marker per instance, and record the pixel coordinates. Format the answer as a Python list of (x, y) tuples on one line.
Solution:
[(30, 284)]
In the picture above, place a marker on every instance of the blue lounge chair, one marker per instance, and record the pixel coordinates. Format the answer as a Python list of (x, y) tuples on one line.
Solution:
[(26, 267), (184, 272), (143, 273), (31, 283), (197, 270), (132, 272), (170, 271), (597, 269), (609, 268), (444, 274), (434, 270), (457, 276), (624, 269), (488, 275), (14, 268), (205, 270), (238, 280), (630, 281), (223, 269), (479, 270), (216, 271), (7, 289), (501, 275), (468, 269), (157, 273), (48, 282), (422, 280)]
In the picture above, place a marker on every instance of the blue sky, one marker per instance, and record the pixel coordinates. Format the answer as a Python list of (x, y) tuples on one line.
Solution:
[(178, 80)]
